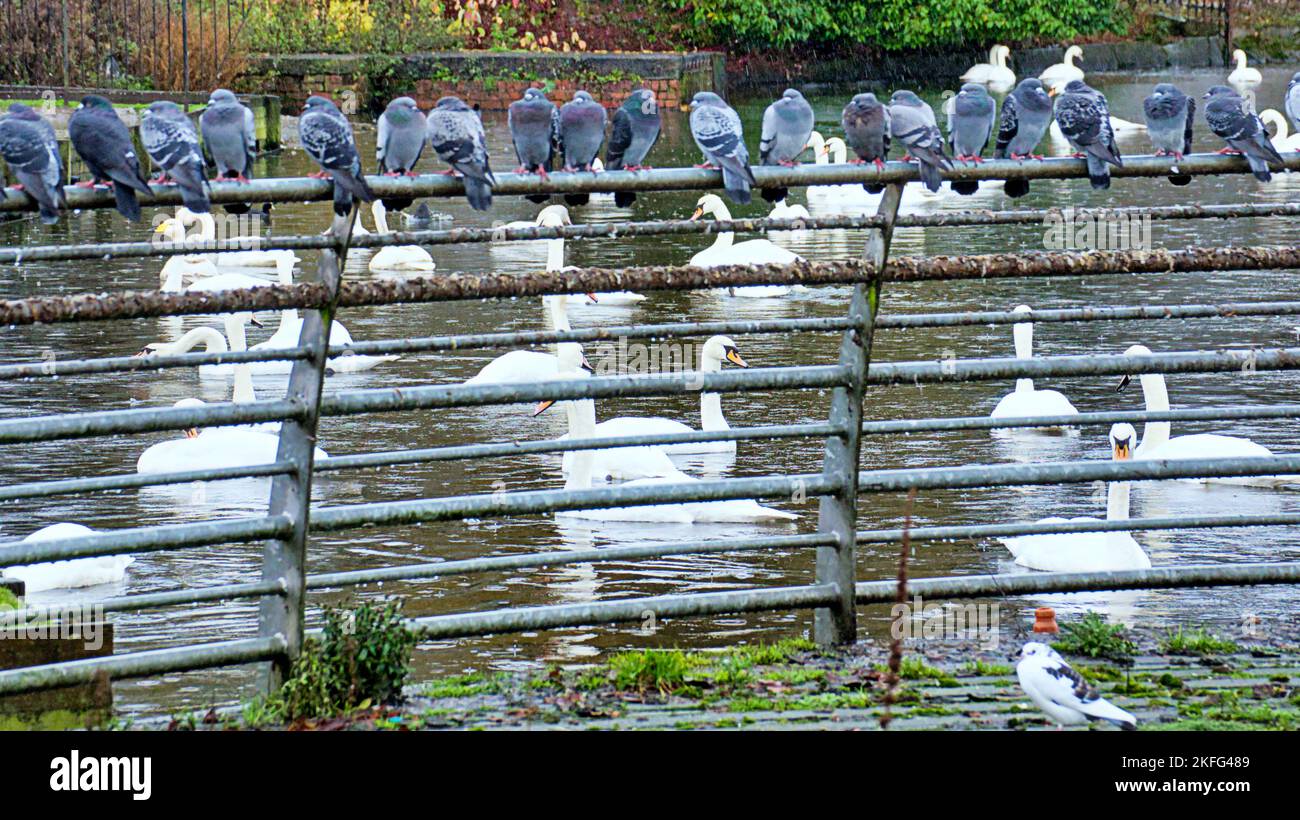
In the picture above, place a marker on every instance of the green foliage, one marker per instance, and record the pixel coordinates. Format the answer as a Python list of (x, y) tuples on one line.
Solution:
[(662, 669), (1093, 637), (1195, 642), (346, 26), (8, 600)]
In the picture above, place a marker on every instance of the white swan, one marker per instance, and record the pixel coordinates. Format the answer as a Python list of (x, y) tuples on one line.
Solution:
[(214, 341), (1157, 444), (521, 366), (582, 424), (174, 278), (784, 210), (994, 72), (837, 197), (175, 227), (1064, 72), (1280, 139), (1025, 400), (554, 216), (71, 574), (715, 350), (1243, 76), (290, 330), (1088, 551), (726, 251), (396, 257)]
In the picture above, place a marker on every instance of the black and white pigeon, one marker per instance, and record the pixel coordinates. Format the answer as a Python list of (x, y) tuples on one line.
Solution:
[(28, 145), (229, 139), (456, 134), (866, 130), (1170, 115), (636, 129), (402, 132), (911, 122), (532, 121), (969, 129), (720, 137), (326, 136), (1026, 116), (1292, 103), (173, 144), (1228, 118), (1084, 117), (580, 132), (102, 141), (1062, 693), (787, 125)]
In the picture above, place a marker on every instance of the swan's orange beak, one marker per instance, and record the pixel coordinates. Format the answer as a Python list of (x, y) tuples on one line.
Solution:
[(733, 356), (1124, 382), (1123, 451), (193, 432), (699, 212), (593, 298), (542, 407)]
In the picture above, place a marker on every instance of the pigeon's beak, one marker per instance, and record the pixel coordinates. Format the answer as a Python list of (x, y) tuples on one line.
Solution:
[(733, 356), (699, 212), (542, 407), (1123, 382)]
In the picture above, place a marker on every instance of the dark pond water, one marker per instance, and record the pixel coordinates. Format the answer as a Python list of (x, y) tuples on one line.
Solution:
[(370, 548)]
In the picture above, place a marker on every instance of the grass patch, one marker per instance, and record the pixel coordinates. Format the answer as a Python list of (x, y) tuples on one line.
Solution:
[(916, 669), (980, 669), (661, 669), (1196, 642), (467, 685), (1092, 637)]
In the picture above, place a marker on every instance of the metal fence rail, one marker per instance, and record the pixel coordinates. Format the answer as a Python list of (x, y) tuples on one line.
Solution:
[(839, 487)]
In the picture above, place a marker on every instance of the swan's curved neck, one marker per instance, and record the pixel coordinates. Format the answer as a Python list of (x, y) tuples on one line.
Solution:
[(557, 312), (210, 338), (726, 238), (1117, 501), (381, 217), (1069, 56), (1000, 60), (1023, 335), (1156, 397), (554, 254), (841, 152), (1241, 59), (711, 417), (242, 392), (207, 226), (582, 424), (817, 142)]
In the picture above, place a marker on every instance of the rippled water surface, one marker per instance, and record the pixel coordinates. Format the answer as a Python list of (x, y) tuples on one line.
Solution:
[(467, 539)]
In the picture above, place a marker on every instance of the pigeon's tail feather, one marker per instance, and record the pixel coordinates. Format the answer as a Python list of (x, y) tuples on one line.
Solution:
[(1098, 173), (130, 180), (577, 199), (236, 208), (127, 205), (538, 198), (873, 187), (355, 185), (775, 194), (737, 186), (1180, 179), (47, 196), (342, 200), (930, 176), (397, 204), (1016, 188), (1259, 168), (194, 188), (624, 199), (965, 187), (479, 193)]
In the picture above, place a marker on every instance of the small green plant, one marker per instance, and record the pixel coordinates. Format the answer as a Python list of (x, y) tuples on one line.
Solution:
[(980, 669), (1093, 637), (1195, 642), (661, 669), (8, 600)]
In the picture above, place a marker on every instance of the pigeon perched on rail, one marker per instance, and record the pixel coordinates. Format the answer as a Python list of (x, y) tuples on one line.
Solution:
[(911, 122), (969, 129), (532, 121), (1226, 113), (787, 125), (456, 134), (1062, 693), (172, 143), (580, 133), (1170, 115), (720, 137), (28, 145), (1084, 118), (636, 129), (1026, 116), (104, 144), (326, 136), (402, 133), (229, 139), (1293, 101), (866, 130)]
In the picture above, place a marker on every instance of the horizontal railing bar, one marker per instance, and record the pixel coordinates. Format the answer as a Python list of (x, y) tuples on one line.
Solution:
[(1088, 314), (118, 364), (142, 664), (154, 600), (145, 539), (147, 420), (1277, 411), (332, 519), (40, 489), (558, 558), (632, 609), (979, 531), (1031, 583), (514, 448)]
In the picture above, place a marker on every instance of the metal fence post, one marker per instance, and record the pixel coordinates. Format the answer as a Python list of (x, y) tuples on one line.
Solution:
[(285, 559), (837, 514)]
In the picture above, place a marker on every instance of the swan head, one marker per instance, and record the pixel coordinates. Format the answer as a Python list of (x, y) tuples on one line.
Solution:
[(1073, 53), (1135, 350), (816, 142), (192, 432), (1273, 117), (836, 146), (1239, 56), (710, 205), (572, 365), (1122, 440), (553, 216), (720, 348)]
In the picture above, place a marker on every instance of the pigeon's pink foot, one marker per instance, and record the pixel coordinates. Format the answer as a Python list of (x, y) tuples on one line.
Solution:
[(522, 170), (18, 186), (569, 169), (788, 163), (907, 158), (541, 172), (85, 183), (242, 180), (450, 172), (879, 163), (162, 179), (1078, 155), (411, 174), (1228, 152), (1178, 155), (707, 166), (391, 174), (319, 175)]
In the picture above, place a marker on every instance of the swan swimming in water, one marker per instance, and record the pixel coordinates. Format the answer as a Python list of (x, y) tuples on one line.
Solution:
[(1281, 140), (1064, 72), (726, 251), (174, 229), (520, 366), (71, 574), (396, 257), (1243, 76), (995, 72), (1025, 400)]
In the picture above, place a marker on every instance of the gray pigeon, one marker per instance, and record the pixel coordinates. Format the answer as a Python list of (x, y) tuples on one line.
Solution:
[(1084, 118), (456, 134), (532, 122), (866, 131), (1170, 114), (1243, 130), (717, 131), (104, 144), (402, 133), (229, 139), (970, 128), (636, 129), (911, 122), (787, 125), (1293, 101), (1026, 116), (326, 136), (28, 145), (580, 132), (172, 143)]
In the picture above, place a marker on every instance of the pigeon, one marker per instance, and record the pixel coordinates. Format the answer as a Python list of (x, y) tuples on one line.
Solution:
[(29, 146), (103, 143), (580, 132), (717, 131), (532, 122), (1292, 101), (456, 134), (326, 136), (1244, 132), (635, 131), (399, 143), (866, 130), (787, 125), (1084, 118), (229, 139), (969, 129), (911, 122), (1062, 693), (1026, 116), (1170, 114), (172, 143)]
